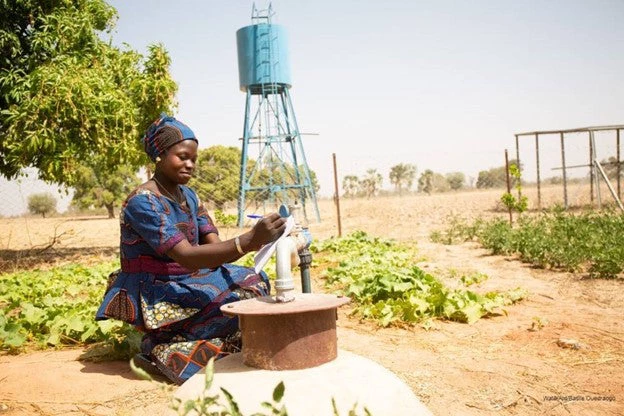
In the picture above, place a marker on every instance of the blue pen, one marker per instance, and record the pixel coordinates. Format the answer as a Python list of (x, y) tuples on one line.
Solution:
[(255, 216)]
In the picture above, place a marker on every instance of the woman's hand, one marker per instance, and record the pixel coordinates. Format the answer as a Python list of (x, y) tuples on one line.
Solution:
[(268, 229)]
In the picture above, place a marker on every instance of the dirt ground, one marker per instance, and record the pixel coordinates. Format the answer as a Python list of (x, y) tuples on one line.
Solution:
[(497, 366)]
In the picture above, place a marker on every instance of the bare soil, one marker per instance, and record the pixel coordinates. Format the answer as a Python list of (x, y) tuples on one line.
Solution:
[(513, 364)]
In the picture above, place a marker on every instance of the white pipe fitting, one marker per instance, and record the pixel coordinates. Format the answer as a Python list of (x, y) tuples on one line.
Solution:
[(285, 258)]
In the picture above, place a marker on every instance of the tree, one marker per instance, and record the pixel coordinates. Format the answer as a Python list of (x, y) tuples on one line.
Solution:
[(67, 94), (425, 182), (217, 174), (350, 185), (495, 177), (371, 184), (97, 185), (440, 184), (43, 203), (456, 180), (402, 176)]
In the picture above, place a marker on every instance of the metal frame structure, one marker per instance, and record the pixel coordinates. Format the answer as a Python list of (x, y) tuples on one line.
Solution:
[(594, 165), (271, 129)]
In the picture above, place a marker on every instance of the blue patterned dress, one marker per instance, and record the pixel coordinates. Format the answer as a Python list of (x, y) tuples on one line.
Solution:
[(178, 309)]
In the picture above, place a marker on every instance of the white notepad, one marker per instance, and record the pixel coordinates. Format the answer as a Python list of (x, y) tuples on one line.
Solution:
[(264, 254)]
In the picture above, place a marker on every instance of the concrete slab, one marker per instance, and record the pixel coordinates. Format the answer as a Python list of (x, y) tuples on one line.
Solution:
[(350, 379)]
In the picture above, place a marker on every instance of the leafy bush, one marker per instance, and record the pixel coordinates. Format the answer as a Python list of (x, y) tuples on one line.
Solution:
[(458, 231), (223, 219), (587, 242), (381, 278), (42, 203), (56, 307)]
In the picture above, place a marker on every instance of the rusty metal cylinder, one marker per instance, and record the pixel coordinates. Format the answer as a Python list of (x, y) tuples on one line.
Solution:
[(288, 336)]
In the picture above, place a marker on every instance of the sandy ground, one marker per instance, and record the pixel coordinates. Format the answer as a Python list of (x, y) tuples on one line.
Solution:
[(495, 366)]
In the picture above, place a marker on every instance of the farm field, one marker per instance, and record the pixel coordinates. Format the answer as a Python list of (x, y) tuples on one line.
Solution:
[(510, 364)]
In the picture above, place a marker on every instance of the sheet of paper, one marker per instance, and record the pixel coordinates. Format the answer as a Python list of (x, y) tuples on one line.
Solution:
[(264, 254)]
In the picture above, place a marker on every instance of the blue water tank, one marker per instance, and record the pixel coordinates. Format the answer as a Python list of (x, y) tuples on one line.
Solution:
[(262, 58)]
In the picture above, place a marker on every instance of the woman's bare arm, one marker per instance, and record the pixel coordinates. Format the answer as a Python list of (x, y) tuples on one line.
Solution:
[(218, 252)]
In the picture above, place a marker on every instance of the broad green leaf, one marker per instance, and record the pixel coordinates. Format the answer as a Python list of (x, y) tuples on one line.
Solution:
[(472, 312), (278, 392)]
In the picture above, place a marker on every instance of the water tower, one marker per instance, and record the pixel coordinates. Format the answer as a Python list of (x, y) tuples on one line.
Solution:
[(274, 169)]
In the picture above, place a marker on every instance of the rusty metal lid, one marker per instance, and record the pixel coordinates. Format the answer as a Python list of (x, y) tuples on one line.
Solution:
[(267, 305)]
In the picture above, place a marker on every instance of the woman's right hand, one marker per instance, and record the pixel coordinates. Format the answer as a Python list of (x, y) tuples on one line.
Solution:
[(266, 230)]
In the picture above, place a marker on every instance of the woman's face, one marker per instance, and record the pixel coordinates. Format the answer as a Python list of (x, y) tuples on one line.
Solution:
[(178, 162)]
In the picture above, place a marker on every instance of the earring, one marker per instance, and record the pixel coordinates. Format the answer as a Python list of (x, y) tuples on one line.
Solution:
[(158, 159)]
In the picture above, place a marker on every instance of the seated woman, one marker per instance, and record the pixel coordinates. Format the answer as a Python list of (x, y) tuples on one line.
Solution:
[(174, 268)]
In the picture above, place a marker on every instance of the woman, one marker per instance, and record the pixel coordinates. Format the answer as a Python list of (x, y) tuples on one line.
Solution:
[(174, 274)]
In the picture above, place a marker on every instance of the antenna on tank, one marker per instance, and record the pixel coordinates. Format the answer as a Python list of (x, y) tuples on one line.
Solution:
[(261, 15)]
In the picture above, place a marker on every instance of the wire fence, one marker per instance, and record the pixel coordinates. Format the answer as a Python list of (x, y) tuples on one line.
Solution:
[(543, 181)]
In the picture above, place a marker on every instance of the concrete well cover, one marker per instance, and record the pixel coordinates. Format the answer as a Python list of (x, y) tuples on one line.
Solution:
[(350, 379)]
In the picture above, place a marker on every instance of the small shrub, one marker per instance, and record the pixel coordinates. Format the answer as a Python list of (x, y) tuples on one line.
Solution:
[(587, 242)]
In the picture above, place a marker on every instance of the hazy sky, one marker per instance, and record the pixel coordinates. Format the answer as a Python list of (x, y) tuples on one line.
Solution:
[(443, 85)]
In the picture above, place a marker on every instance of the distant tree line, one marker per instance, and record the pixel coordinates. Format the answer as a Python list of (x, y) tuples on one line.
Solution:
[(402, 177)]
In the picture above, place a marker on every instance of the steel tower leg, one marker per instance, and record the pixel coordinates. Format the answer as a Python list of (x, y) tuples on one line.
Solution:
[(306, 170), (243, 184), (278, 136)]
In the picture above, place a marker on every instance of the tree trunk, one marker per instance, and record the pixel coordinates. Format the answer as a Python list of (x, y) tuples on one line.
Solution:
[(111, 210)]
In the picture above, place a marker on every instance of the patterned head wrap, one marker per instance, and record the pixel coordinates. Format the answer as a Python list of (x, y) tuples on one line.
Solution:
[(164, 133)]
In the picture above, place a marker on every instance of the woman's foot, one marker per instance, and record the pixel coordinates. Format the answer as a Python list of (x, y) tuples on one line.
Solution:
[(143, 362)]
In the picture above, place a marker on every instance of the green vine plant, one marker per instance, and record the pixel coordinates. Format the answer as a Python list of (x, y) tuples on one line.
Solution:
[(521, 203)]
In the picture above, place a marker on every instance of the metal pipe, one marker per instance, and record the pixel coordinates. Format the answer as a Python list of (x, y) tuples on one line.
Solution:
[(337, 196), (285, 249), (595, 176), (537, 161), (591, 170), (578, 130), (305, 260), (619, 167), (519, 168), (508, 185), (565, 177), (606, 179)]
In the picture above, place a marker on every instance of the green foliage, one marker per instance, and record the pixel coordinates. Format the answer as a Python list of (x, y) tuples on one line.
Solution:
[(223, 403), (474, 279), (381, 278), (495, 177), (425, 182), (206, 404), (371, 184), (458, 231), (612, 168), (225, 220), (521, 203), (98, 185), (515, 204), (350, 185), (57, 307), (402, 176), (217, 174), (43, 203), (431, 181), (456, 180), (67, 94), (586, 242)]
